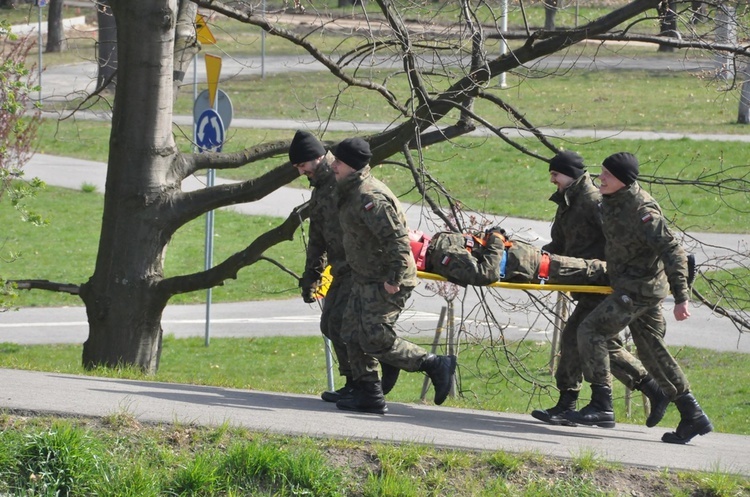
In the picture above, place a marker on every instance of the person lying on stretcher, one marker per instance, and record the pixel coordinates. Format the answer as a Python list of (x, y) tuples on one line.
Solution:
[(467, 259)]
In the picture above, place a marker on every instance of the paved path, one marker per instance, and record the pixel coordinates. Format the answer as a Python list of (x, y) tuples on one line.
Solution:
[(309, 416)]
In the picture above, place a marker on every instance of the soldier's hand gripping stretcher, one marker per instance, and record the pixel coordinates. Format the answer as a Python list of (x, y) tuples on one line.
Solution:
[(489, 257)]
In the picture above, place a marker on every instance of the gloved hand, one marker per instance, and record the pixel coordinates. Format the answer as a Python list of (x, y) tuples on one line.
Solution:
[(308, 294)]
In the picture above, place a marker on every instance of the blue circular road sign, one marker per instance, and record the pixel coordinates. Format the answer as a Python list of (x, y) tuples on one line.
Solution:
[(209, 131)]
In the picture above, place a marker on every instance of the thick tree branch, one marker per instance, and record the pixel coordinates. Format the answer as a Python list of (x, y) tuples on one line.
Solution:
[(189, 164), (185, 206), (51, 286), (229, 267)]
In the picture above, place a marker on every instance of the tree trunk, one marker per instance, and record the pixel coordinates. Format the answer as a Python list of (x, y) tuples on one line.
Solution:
[(668, 23), (55, 32), (123, 300), (106, 47), (186, 45), (550, 11), (726, 34), (743, 115)]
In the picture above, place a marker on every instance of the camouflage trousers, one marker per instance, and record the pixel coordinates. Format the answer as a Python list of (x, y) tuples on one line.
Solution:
[(370, 316), (332, 318), (524, 261), (647, 328), (623, 365)]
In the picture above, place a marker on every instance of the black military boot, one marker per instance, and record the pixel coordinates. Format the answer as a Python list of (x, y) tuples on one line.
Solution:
[(693, 421), (691, 270), (599, 411), (366, 397), (440, 369), (336, 395), (390, 377), (553, 415), (656, 397)]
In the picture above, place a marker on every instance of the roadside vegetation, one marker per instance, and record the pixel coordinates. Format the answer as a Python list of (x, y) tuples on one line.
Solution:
[(119, 456)]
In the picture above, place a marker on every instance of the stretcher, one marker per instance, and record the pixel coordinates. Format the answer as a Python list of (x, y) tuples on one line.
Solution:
[(531, 286)]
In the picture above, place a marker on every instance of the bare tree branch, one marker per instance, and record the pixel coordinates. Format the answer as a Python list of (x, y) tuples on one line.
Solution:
[(228, 268), (51, 286)]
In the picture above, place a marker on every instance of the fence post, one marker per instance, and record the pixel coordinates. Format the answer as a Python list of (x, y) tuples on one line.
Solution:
[(435, 343), (561, 316)]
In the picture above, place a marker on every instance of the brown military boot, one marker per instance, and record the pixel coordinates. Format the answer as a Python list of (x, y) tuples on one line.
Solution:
[(554, 415), (599, 412), (693, 421), (366, 397), (656, 397)]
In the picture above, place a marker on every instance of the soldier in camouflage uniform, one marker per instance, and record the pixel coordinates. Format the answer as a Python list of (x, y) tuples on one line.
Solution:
[(644, 261), (383, 275), (577, 232), (324, 247)]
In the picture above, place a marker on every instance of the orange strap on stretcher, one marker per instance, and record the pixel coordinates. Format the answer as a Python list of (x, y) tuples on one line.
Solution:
[(419, 243), (544, 268)]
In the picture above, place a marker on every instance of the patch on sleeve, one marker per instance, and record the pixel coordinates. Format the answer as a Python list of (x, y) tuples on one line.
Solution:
[(646, 218), (369, 205)]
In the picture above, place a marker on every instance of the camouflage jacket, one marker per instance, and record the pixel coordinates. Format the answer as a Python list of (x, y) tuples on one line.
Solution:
[(577, 229), (644, 259), (376, 237), (325, 245)]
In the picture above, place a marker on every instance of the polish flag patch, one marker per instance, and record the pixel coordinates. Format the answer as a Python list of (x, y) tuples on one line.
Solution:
[(646, 218), (369, 206), (446, 260)]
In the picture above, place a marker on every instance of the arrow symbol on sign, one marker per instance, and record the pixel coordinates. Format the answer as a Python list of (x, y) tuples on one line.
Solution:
[(202, 129), (215, 127)]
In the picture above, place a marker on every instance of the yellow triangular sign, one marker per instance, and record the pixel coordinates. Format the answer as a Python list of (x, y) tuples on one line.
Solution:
[(204, 35), (213, 70)]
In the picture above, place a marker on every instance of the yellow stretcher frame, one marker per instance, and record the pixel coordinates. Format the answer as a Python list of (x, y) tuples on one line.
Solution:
[(531, 286)]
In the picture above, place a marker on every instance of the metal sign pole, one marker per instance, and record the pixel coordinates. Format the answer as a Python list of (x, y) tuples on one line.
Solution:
[(503, 44), (40, 4)]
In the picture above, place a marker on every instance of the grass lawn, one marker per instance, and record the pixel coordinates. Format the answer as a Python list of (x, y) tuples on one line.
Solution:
[(73, 238)]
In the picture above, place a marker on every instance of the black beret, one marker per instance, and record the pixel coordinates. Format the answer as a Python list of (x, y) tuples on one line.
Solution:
[(623, 166), (568, 163), (305, 147), (354, 152)]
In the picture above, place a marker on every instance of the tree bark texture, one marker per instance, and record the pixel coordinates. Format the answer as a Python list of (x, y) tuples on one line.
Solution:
[(550, 12), (55, 32), (668, 23), (106, 46), (743, 114), (123, 301), (186, 44)]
